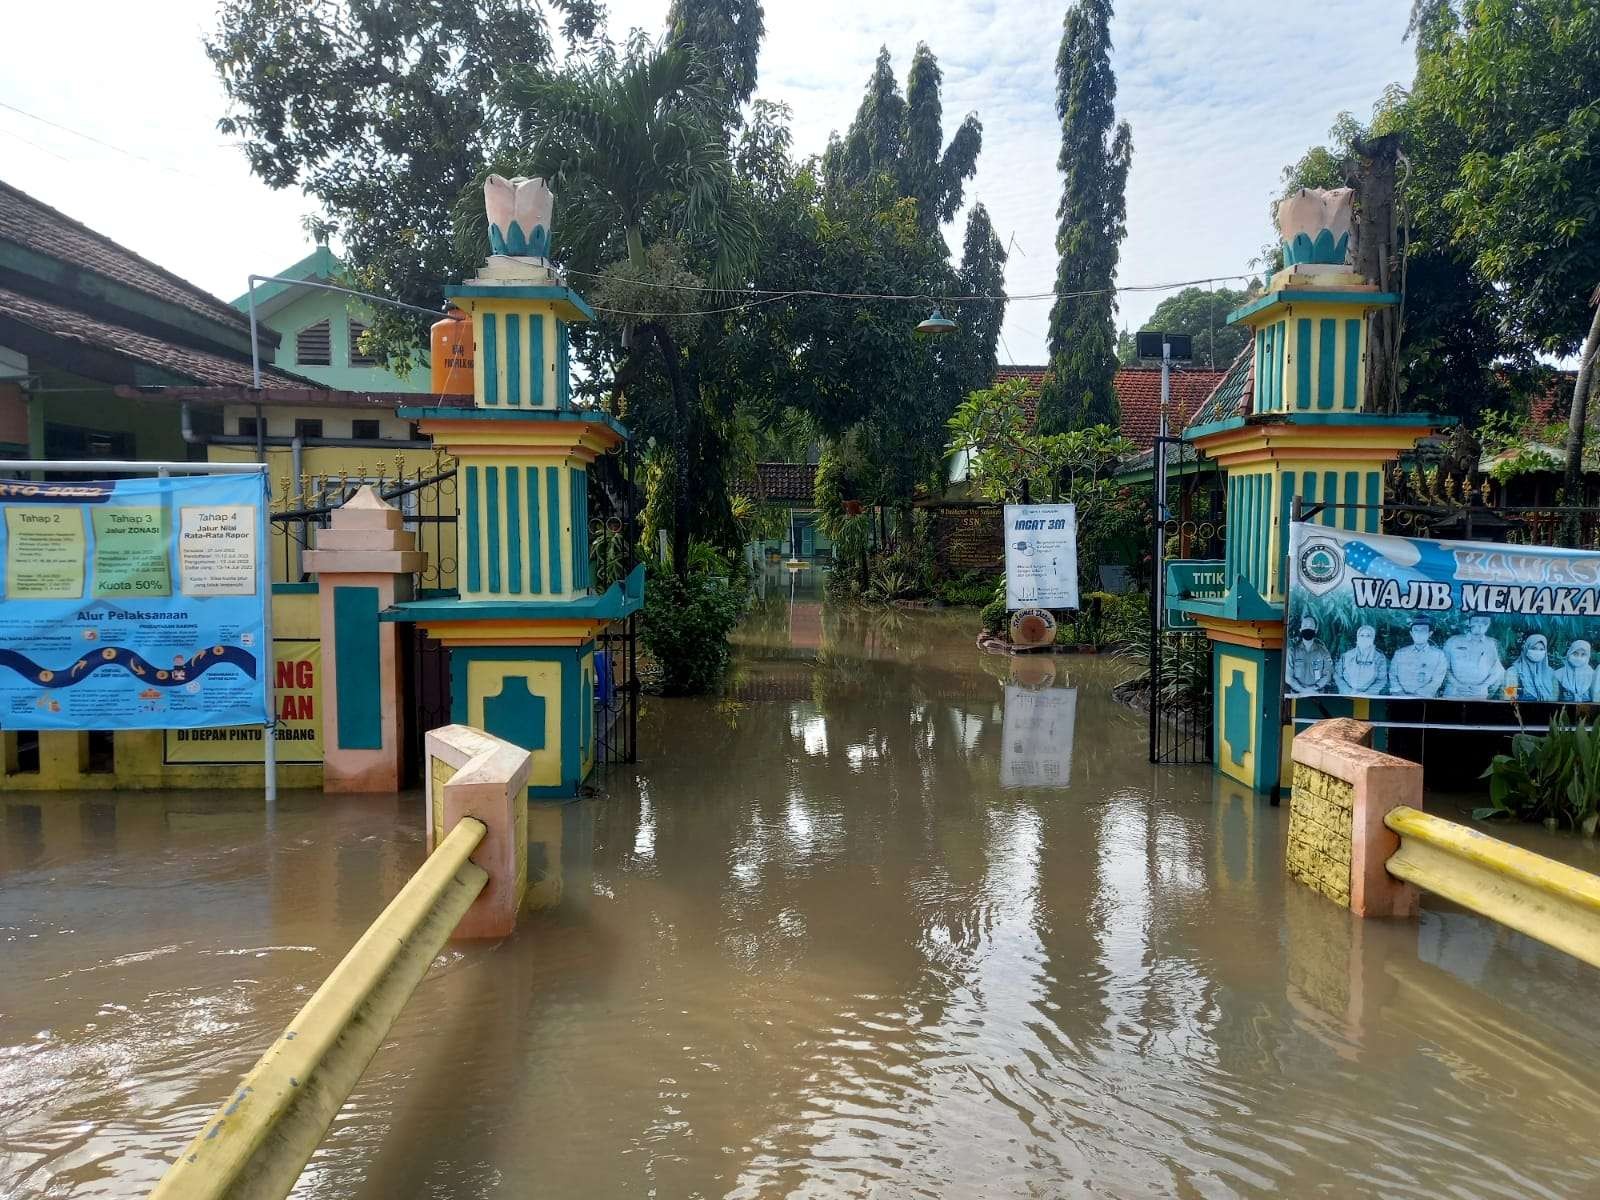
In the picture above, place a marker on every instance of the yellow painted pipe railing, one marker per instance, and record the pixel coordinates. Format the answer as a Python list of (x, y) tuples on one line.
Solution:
[(261, 1138), (1535, 895)]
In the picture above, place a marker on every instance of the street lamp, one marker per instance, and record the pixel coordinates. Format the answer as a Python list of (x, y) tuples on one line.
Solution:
[(937, 322)]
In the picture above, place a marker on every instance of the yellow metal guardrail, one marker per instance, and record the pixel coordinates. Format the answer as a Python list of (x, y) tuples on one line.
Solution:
[(261, 1138), (1535, 895)]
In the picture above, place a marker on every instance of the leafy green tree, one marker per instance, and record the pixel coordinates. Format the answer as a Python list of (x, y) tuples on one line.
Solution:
[(635, 141), (902, 137), (858, 222), (1202, 314), (1515, 84), (628, 139), (1006, 457), (384, 111), (1519, 82), (726, 35), (1096, 152), (982, 273)]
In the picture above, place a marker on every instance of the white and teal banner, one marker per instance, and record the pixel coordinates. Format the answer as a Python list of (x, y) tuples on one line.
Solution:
[(1412, 618), (133, 603), (1041, 556)]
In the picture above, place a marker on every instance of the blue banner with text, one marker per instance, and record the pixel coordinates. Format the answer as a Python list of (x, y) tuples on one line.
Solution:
[(1412, 618), (133, 603)]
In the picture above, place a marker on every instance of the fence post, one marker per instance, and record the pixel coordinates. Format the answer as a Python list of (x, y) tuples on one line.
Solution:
[(470, 773), (1338, 843), (364, 563)]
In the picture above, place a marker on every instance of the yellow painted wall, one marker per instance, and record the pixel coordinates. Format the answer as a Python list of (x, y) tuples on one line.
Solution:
[(485, 678), (526, 309), (476, 524), (1227, 665)]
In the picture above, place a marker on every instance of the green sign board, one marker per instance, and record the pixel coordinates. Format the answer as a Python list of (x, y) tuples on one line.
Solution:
[(1192, 579)]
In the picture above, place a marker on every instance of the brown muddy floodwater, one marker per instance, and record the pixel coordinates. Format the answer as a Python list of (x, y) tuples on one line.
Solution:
[(817, 944)]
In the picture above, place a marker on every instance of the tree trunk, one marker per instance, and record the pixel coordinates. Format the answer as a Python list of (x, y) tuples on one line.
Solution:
[(680, 448), (1578, 417), (1374, 255)]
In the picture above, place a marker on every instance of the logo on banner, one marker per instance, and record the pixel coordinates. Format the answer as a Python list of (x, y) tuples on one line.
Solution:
[(1321, 564)]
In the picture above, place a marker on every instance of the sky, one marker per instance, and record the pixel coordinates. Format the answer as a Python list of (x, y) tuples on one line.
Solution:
[(110, 115)]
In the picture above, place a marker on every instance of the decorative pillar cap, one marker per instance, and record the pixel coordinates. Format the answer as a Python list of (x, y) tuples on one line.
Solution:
[(367, 536), (521, 212), (1314, 227)]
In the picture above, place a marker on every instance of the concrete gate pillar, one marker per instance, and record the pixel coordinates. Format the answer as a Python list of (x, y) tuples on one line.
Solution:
[(364, 563)]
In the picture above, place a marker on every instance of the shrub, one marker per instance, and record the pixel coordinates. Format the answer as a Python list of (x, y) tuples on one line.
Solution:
[(994, 615), (686, 628), (1123, 618), (1185, 676), (973, 589), (890, 583), (1554, 778), (843, 585)]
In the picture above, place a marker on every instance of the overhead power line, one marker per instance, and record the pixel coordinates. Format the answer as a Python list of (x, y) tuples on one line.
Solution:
[(761, 296), (89, 137)]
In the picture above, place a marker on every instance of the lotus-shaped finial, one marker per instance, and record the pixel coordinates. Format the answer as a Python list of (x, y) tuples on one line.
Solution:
[(1314, 225), (520, 212)]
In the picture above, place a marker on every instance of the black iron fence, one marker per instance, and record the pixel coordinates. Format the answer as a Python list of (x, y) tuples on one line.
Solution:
[(616, 701), (425, 496)]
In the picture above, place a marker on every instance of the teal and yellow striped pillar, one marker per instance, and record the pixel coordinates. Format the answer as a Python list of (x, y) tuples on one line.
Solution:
[(522, 629), (1308, 436)]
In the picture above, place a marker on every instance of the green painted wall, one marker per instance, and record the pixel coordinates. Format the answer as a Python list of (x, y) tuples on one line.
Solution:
[(287, 310), (68, 400)]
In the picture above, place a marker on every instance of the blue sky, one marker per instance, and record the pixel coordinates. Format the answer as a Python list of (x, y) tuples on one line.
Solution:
[(1220, 97)]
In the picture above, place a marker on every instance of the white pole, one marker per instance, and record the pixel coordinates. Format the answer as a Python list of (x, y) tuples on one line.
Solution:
[(1158, 552), (269, 650)]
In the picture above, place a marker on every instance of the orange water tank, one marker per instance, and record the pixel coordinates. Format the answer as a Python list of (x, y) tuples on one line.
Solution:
[(451, 343)]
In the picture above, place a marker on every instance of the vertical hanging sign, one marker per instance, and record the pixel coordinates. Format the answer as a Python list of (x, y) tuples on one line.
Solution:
[(1041, 556), (133, 604)]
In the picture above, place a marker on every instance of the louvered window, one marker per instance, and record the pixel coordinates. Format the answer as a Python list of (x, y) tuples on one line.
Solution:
[(358, 357), (311, 346)]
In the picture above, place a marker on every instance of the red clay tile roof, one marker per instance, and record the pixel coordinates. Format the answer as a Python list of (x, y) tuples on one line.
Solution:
[(1552, 401), (786, 483), (70, 325), (40, 228), (1035, 376), (1138, 395)]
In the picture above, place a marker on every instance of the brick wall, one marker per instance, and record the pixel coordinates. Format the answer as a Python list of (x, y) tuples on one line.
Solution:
[(1318, 854)]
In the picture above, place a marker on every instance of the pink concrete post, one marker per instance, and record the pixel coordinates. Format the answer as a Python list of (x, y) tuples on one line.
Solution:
[(475, 774), (364, 562), (1338, 842)]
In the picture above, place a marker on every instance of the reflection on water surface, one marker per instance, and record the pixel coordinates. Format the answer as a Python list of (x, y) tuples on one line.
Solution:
[(889, 918)]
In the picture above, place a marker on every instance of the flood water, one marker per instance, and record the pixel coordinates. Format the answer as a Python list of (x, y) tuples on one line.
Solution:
[(889, 918)]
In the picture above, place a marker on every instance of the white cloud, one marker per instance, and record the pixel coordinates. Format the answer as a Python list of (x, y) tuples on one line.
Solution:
[(1218, 101)]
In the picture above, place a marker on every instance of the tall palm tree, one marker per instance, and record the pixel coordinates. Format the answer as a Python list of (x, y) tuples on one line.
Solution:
[(638, 144), (638, 140)]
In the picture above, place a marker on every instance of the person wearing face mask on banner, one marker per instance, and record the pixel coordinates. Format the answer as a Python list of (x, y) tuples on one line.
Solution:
[(1576, 677), (1310, 666), (1362, 670), (1530, 675), (1475, 665), (1418, 669)]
